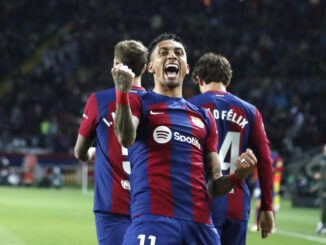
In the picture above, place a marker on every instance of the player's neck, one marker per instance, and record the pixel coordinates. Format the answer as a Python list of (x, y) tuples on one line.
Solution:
[(215, 86), (174, 92), (137, 82)]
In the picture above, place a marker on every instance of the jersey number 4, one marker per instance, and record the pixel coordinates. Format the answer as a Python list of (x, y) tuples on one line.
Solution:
[(231, 143)]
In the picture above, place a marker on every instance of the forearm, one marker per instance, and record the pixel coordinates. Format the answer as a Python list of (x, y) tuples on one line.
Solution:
[(81, 148), (260, 144), (88, 155), (266, 186), (216, 183), (265, 175), (124, 125), (83, 156), (219, 186)]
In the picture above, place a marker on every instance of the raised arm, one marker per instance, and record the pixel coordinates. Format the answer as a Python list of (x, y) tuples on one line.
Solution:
[(125, 124), (218, 185)]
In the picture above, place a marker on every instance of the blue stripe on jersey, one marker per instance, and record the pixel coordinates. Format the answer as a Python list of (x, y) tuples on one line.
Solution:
[(102, 167), (138, 153), (109, 195), (178, 165)]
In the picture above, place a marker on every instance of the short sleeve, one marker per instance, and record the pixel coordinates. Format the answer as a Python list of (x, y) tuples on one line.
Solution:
[(88, 124), (212, 137)]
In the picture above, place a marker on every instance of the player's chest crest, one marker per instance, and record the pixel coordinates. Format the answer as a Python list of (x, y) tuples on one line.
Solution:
[(197, 121)]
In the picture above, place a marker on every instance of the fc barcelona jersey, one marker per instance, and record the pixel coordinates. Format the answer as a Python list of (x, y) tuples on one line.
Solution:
[(167, 171), (112, 168), (239, 127)]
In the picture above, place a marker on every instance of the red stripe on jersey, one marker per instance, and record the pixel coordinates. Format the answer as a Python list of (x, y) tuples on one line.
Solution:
[(208, 106), (159, 175), (235, 199), (260, 143), (120, 196), (88, 124), (135, 105), (212, 137), (198, 191)]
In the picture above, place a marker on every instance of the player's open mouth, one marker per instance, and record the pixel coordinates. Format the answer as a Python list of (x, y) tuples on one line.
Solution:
[(171, 70)]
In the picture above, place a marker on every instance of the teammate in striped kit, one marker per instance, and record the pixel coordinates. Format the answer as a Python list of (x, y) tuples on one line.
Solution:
[(111, 194), (239, 126), (169, 138)]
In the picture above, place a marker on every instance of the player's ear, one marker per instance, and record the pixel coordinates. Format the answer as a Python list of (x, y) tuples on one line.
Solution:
[(150, 68), (144, 69)]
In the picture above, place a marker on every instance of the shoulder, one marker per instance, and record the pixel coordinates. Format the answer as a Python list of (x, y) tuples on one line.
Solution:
[(196, 99), (203, 112), (104, 98), (138, 91), (138, 95), (243, 104), (105, 93), (192, 106)]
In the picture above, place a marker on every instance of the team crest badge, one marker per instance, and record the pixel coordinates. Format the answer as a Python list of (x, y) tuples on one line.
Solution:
[(197, 121)]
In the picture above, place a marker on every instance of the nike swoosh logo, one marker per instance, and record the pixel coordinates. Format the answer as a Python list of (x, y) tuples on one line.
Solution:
[(85, 116), (155, 113)]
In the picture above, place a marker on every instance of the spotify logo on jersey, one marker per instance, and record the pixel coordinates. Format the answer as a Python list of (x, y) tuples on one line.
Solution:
[(162, 134)]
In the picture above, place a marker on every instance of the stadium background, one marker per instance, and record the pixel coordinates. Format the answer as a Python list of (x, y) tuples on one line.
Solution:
[(55, 53)]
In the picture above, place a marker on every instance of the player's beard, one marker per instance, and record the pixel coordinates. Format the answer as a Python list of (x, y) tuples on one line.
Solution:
[(172, 84)]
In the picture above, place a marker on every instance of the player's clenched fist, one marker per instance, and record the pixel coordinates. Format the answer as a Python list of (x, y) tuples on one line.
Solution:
[(245, 164), (122, 77)]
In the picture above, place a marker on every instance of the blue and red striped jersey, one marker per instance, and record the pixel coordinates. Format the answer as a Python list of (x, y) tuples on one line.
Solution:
[(240, 126), (168, 176), (111, 192)]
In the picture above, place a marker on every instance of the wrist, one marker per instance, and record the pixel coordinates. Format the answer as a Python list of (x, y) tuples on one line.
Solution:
[(235, 181), (122, 98)]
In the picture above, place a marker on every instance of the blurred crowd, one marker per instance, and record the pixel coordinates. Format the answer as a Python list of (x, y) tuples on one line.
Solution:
[(277, 50)]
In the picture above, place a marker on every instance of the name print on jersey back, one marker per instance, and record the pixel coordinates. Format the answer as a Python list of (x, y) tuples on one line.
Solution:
[(229, 115)]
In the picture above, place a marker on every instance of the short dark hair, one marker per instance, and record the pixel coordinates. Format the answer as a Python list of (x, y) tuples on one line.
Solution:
[(132, 54), (212, 67), (162, 37)]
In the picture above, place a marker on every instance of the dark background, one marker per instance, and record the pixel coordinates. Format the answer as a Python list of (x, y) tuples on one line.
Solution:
[(54, 54)]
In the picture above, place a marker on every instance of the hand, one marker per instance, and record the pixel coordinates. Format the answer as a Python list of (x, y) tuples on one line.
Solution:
[(245, 164), (91, 155), (265, 223), (122, 77)]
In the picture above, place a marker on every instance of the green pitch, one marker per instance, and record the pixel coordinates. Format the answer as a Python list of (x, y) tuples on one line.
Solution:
[(46, 217), (59, 217)]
